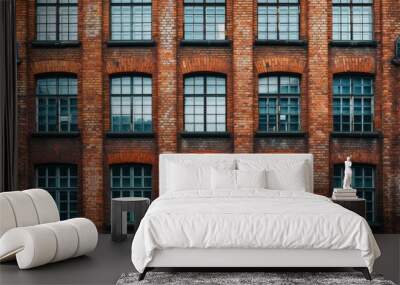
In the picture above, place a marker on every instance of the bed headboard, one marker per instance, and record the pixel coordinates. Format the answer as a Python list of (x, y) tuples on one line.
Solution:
[(185, 158)]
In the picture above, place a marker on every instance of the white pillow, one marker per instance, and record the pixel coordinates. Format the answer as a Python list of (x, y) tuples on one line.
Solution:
[(281, 174), (251, 178), (292, 179), (181, 177), (223, 179)]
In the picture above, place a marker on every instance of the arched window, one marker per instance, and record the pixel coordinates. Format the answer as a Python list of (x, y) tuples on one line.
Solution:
[(131, 107), (278, 20), (353, 103), (205, 103), (56, 98), (364, 181), (130, 20), (57, 20), (204, 20), (61, 181), (279, 103)]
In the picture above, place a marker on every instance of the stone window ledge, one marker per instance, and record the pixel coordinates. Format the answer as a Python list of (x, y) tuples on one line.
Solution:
[(205, 135), (130, 135), (55, 44), (206, 43), (356, 135), (260, 134), (353, 43), (280, 43), (396, 61), (55, 135), (140, 43)]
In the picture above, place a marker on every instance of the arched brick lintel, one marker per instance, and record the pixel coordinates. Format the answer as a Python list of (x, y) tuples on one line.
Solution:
[(353, 65), (133, 64), (279, 64), (131, 157), (357, 157), (55, 66), (204, 64)]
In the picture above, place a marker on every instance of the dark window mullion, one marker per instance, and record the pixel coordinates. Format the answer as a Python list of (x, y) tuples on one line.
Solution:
[(205, 102), (57, 20)]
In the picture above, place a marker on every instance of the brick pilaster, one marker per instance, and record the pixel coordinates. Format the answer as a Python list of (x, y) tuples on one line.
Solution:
[(390, 127), (22, 93), (319, 121), (91, 110), (167, 80), (243, 90)]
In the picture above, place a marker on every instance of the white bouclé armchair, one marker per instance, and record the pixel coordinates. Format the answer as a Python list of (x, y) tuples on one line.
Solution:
[(31, 231)]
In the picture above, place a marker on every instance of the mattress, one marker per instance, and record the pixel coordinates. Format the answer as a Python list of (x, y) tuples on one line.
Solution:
[(250, 219)]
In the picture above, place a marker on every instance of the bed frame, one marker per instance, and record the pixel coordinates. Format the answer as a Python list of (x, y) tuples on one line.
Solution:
[(242, 259)]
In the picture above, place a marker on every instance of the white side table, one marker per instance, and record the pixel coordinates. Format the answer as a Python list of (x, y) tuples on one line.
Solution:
[(119, 214)]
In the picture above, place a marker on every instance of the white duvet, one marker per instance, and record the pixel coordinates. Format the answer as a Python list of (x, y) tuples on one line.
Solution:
[(253, 218)]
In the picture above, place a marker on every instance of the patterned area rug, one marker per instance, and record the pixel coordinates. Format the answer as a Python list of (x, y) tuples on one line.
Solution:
[(236, 278)]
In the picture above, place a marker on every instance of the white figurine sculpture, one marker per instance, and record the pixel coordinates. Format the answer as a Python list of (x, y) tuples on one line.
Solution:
[(348, 173)]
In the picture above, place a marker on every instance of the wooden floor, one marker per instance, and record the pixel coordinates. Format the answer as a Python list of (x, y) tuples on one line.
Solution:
[(110, 260)]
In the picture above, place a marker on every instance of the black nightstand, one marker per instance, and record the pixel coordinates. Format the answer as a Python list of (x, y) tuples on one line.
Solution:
[(356, 205)]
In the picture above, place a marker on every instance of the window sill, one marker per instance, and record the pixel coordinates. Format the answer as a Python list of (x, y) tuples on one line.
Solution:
[(280, 43), (280, 134), (55, 44), (396, 61), (56, 135), (129, 135), (205, 135), (356, 135), (353, 43), (140, 43), (206, 43)]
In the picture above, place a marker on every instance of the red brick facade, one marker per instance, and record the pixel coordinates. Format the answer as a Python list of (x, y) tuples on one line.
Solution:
[(93, 62)]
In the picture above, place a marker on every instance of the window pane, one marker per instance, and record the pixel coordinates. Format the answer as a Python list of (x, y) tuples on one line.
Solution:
[(352, 22), (204, 20), (131, 112), (132, 180), (353, 103), (131, 20), (278, 20), (279, 105), (61, 182), (56, 104), (205, 106), (49, 27)]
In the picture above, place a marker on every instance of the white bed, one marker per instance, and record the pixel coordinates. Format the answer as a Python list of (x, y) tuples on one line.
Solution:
[(198, 223)]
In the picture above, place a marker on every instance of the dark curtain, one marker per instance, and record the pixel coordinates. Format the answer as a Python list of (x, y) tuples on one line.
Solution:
[(8, 97)]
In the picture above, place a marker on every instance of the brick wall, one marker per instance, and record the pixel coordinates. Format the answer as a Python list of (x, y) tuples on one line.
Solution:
[(93, 62)]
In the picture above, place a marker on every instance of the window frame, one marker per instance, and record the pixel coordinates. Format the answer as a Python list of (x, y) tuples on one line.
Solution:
[(130, 190), (278, 96), (131, 4), (57, 6), (131, 95), (58, 98), (277, 5), (351, 96), (204, 96), (361, 190), (351, 5), (55, 192), (204, 5), (397, 48), (132, 176)]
